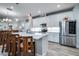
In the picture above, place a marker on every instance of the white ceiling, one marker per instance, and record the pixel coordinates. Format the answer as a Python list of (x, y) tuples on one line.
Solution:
[(23, 9)]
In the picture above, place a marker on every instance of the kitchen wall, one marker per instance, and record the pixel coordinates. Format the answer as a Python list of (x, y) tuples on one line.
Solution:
[(54, 19), (53, 22), (76, 17)]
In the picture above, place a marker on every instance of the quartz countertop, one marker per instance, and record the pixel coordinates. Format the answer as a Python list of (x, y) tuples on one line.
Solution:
[(35, 35)]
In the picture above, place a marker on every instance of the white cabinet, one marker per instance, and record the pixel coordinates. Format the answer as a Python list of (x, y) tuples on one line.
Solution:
[(53, 37), (41, 46), (76, 17)]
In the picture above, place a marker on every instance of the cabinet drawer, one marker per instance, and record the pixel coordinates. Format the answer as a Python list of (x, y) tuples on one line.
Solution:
[(71, 41)]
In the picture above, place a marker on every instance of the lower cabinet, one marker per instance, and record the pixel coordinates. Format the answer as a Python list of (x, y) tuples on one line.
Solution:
[(53, 37)]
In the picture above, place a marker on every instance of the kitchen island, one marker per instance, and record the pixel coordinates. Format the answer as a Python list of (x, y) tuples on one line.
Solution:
[(41, 42)]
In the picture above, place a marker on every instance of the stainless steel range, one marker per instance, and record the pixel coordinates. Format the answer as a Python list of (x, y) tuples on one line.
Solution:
[(67, 34)]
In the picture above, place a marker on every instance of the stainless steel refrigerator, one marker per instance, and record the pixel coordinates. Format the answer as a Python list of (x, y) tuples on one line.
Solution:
[(67, 35)]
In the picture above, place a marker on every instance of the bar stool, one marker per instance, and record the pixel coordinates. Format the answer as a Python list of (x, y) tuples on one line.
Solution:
[(1, 37), (28, 46), (21, 45), (7, 35), (4, 38), (31, 46), (12, 45)]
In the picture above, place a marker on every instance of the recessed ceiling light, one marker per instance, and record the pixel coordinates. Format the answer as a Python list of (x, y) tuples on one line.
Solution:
[(29, 14), (4, 19), (23, 24), (58, 6), (17, 19), (9, 20), (11, 7), (17, 3), (39, 11)]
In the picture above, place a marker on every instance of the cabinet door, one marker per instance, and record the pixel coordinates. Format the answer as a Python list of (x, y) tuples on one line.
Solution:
[(53, 37)]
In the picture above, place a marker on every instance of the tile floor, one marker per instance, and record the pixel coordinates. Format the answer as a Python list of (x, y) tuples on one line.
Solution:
[(55, 49)]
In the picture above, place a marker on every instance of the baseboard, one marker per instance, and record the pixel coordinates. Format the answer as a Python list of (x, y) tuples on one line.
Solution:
[(63, 45), (44, 54), (53, 42), (77, 47)]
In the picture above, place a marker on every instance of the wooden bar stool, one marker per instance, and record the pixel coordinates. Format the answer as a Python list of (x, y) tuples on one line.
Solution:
[(8, 35), (1, 37), (12, 45), (28, 46), (4, 38)]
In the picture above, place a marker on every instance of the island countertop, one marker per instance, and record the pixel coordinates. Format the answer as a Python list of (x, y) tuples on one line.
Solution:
[(35, 35)]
